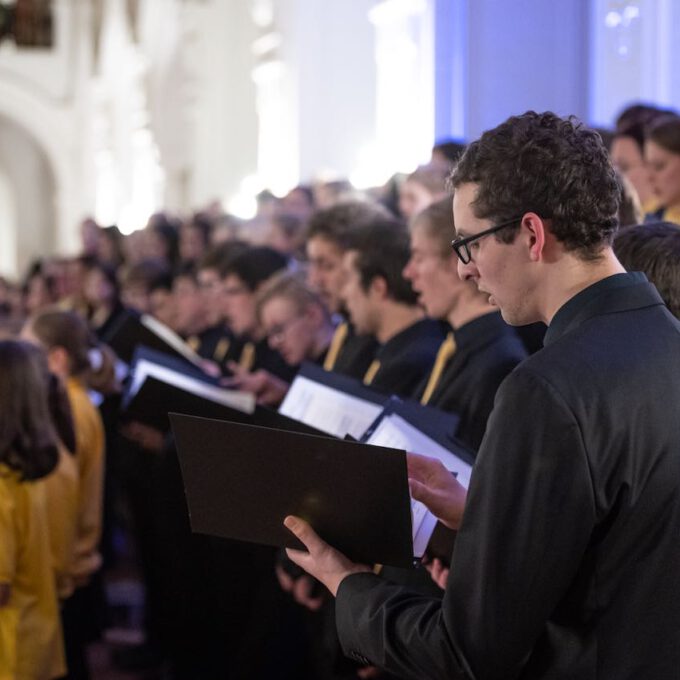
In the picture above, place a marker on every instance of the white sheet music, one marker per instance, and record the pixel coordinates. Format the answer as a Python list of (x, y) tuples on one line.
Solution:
[(395, 432), (171, 338), (242, 401), (328, 409)]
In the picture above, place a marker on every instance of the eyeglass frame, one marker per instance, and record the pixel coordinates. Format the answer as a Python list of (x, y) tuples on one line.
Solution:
[(460, 245), (280, 330)]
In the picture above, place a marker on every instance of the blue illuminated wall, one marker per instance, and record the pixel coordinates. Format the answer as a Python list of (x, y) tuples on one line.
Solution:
[(495, 58)]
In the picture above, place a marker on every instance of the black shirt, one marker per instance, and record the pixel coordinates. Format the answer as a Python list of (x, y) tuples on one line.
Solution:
[(566, 563), (487, 349), (356, 353), (407, 357)]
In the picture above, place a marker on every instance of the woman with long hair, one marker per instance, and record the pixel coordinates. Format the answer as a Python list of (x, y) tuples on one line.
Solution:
[(30, 632), (67, 341)]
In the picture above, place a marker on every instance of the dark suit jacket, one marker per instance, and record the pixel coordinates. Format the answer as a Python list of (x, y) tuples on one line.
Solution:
[(566, 564), (487, 349), (406, 358)]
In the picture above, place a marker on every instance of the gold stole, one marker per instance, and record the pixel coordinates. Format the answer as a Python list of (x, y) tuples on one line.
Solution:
[(337, 342), (446, 351), (371, 372)]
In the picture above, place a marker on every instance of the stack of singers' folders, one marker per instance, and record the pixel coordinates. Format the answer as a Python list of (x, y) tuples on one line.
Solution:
[(333, 454), (246, 467)]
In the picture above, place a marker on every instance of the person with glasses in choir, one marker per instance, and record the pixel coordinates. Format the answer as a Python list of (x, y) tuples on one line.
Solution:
[(566, 557)]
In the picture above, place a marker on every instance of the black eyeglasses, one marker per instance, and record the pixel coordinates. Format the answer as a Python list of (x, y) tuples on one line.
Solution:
[(461, 245)]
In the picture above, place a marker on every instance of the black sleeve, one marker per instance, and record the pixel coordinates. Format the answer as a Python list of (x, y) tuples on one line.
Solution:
[(529, 516)]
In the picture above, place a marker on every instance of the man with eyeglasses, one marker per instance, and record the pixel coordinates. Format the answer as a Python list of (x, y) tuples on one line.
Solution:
[(568, 550)]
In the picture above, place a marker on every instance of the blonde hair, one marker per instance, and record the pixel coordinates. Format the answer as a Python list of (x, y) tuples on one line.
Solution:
[(289, 286)]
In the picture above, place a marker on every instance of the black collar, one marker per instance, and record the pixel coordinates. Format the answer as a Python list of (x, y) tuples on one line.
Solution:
[(477, 331), (618, 292)]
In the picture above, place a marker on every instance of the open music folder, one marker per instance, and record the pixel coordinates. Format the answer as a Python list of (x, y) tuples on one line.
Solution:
[(429, 432), (160, 383), (241, 481), (134, 330), (333, 403)]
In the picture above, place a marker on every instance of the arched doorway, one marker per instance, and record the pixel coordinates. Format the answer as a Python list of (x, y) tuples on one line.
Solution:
[(27, 200)]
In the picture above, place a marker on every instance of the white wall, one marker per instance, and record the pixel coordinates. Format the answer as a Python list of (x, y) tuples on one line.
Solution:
[(27, 230)]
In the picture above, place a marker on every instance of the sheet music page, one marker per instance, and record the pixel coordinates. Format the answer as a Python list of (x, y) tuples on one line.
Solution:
[(171, 338), (242, 401), (328, 409), (395, 432)]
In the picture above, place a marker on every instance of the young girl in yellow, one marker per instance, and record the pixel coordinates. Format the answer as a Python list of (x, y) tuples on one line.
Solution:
[(67, 341), (31, 646)]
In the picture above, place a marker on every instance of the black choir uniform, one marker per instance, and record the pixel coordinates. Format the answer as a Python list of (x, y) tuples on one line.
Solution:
[(349, 353), (218, 344), (473, 361), (566, 561), (403, 361)]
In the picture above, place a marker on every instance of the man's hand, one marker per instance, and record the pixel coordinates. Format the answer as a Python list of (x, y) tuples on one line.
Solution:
[(432, 484), (438, 572), (321, 561), (267, 388), (144, 436), (300, 588)]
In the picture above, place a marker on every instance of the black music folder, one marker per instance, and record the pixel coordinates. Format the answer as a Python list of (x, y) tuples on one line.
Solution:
[(160, 383), (241, 481), (133, 330)]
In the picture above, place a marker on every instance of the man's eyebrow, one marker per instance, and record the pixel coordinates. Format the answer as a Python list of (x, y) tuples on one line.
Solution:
[(461, 233)]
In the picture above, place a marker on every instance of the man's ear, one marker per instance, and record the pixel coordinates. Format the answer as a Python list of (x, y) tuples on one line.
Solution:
[(534, 230), (378, 287)]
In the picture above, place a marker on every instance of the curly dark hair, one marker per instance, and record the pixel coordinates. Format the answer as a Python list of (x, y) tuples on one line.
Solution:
[(555, 167)]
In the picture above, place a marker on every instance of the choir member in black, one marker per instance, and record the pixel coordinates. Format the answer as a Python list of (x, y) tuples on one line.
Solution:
[(195, 235), (102, 298), (218, 342), (139, 280), (480, 350), (382, 303), (242, 277), (297, 325), (329, 235)]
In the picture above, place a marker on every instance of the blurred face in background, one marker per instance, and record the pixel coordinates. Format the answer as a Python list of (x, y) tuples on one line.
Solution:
[(135, 296), (239, 305), (326, 273), (432, 275), (413, 197), (664, 174), (162, 306), (210, 286), (628, 159), (192, 247), (39, 294), (361, 304), (99, 291), (290, 330), (190, 316)]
